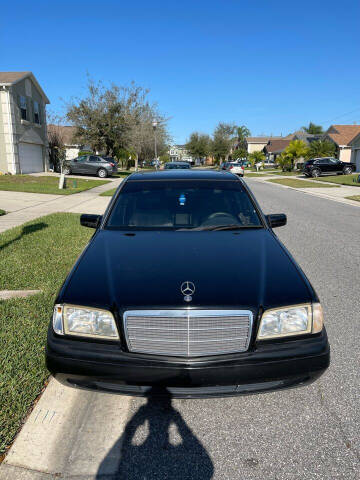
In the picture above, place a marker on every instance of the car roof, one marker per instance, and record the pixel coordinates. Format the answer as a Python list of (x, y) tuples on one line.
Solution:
[(183, 175)]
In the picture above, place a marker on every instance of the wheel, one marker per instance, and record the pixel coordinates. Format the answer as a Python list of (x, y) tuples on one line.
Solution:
[(347, 170), (102, 173), (316, 173), (67, 170)]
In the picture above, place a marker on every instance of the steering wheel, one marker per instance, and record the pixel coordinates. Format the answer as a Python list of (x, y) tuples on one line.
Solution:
[(220, 214)]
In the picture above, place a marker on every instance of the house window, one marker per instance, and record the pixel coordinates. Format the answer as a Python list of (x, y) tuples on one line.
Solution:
[(23, 107), (37, 112)]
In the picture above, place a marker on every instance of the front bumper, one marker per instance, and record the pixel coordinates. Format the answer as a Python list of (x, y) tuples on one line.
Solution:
[(268, 366)]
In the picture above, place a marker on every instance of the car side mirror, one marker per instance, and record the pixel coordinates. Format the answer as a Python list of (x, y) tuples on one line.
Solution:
[(276, 220), (89, 220)]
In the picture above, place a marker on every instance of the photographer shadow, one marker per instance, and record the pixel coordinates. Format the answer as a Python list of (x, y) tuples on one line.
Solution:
[(163, 453)]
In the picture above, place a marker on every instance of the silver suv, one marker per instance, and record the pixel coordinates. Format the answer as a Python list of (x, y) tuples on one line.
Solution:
[(91, 165)]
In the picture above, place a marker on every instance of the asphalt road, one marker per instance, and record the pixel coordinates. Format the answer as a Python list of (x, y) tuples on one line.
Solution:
[(306, 433)]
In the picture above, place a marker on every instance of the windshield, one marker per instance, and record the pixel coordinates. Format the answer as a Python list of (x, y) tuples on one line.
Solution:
[(183, 204), (176, 165)]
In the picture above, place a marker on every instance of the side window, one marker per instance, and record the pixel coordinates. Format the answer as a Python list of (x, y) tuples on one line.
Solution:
[(324, 161), (23, 107), (333, 161), (37, 113), (92, 158), (82, 159)]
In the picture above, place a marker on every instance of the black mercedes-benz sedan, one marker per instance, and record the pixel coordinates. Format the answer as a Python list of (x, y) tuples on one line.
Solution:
[(185, 290)]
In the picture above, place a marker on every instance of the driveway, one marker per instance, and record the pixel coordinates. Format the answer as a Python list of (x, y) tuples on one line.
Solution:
[(305, 433), (24, 207)]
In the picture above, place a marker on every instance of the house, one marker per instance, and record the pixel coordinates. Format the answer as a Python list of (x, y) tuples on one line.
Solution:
[(307, 137), (355, 152), (343, 136), (257, 144), (66, 133), (274, 148), (23, 134), (179, 153)]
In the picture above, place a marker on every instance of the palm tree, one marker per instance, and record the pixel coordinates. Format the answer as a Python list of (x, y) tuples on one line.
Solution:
[(313, 129), (321, 148), (257, 157)]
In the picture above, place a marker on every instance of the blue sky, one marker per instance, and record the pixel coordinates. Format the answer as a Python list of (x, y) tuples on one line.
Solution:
[(272, 65)]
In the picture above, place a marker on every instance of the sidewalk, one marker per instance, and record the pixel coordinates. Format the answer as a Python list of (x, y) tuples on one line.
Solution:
[(24, 207), (337, 194)]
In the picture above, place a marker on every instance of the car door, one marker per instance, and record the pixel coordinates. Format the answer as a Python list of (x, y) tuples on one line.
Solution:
[(80, 164), (324, 165), (74, 165), (335, 165), (93, 164)]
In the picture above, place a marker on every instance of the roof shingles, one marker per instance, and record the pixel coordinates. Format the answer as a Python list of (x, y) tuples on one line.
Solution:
[(11, 77), (343, 134)]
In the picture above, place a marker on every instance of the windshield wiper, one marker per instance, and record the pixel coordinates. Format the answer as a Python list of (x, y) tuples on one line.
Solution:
[(233, 226)]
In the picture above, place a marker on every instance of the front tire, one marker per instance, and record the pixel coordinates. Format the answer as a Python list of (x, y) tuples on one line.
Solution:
[(67, 171), (102, 173), (316, 173), (347, 171)]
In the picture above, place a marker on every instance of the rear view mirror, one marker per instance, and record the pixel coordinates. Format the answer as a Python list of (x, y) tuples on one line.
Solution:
[(91, 221), (276, 220)]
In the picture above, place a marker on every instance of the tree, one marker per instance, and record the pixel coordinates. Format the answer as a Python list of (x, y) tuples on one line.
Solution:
[(199, 145), (239, 153), (56, 147), (242, 132), (118, 121), (106, 116), (257, 157), (296, 150), (142, 137), (222, 141), (321, 148), (313, 129), (285, 161)]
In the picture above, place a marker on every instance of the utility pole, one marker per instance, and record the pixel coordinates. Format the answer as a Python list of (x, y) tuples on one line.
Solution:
[(155, 124)]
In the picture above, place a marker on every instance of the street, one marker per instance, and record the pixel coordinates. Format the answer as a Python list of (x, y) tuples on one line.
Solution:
[(305, 433), (310, 432)]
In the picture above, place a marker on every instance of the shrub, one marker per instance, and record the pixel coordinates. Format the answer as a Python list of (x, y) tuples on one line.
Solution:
[(85, 152)]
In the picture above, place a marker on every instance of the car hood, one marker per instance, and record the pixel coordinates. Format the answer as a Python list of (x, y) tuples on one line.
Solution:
[(242, 269)]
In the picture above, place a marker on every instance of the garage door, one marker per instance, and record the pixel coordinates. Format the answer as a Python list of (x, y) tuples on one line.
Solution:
[(31, 158), (357, 160)]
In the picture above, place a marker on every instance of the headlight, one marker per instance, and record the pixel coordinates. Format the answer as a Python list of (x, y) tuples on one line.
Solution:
[(294, 320), (84, 321)]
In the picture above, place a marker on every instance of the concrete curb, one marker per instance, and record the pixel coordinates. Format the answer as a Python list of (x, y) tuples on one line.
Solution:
[(69, 434)]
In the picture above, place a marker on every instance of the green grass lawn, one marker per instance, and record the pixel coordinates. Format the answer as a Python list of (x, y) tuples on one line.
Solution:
[(341, 179), (108, 193), (296, 183), (122, 174), (46, 184), (256, 174), (37, 255), (287, 174), (354, 197)]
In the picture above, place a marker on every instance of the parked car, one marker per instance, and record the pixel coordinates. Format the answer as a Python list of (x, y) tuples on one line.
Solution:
[(206, 323), (327, 166), (91, 165), (235, 167), (245, 163), (177, 165)]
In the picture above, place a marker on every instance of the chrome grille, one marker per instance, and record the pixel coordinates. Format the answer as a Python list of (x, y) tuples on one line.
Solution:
[(188, 333)]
